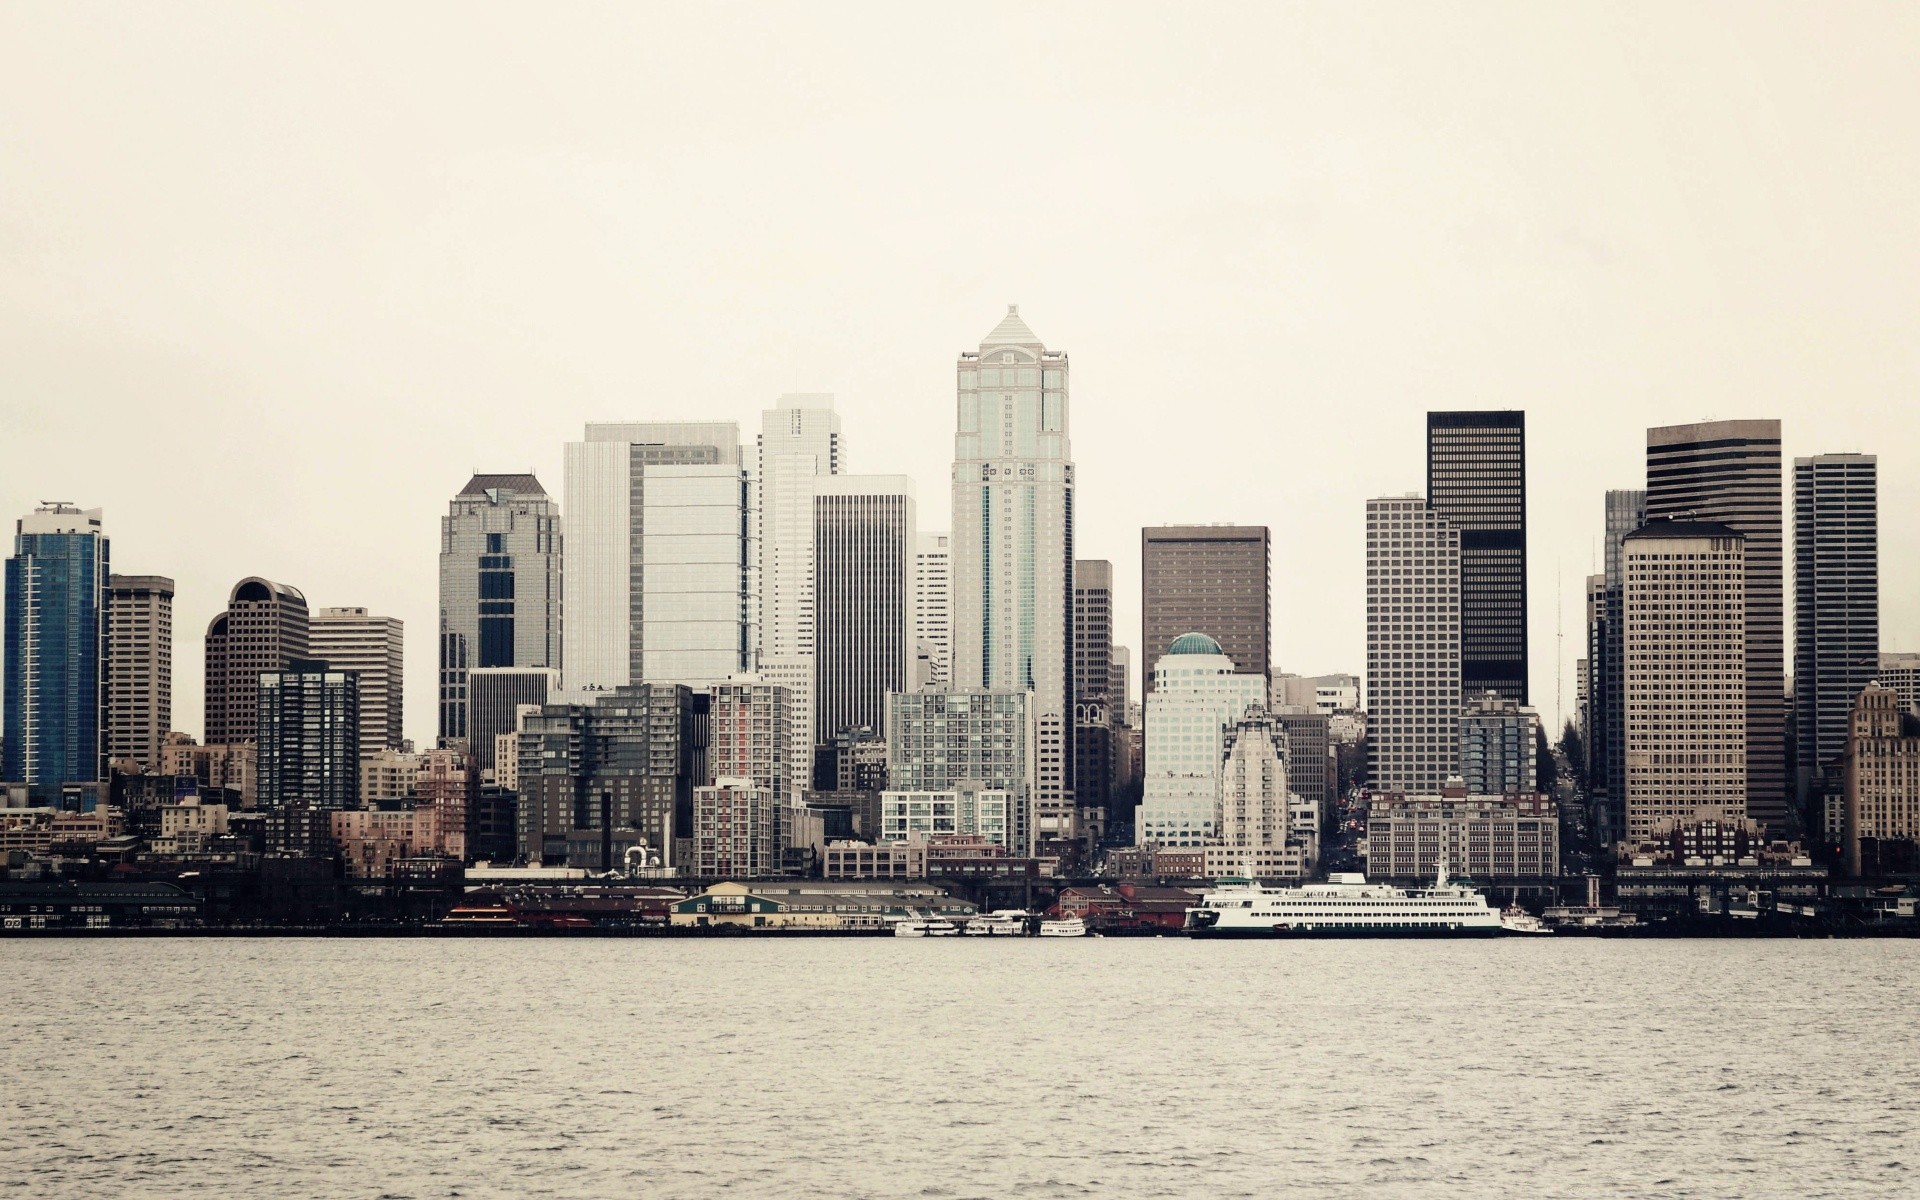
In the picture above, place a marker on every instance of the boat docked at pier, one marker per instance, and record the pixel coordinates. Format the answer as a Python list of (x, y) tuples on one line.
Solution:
[(928, 926), (1344, 906), (1006, 923)]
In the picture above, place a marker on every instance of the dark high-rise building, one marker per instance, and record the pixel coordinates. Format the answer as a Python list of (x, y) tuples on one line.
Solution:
[(1210, 579), (1836, 603), (1729, 472), (55, 621), (493, 701), (1626, 511), (1092, 631), (139, 668), (864, 542), (264, 629), (308, 725), (628, 762), (1477, 480), (1309, 761), (500, 548)]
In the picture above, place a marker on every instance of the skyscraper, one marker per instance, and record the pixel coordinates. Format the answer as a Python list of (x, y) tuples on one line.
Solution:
[(374, 648), (264, 629), (863, 545), (1211, 579), (1626, 511), (1197, 696), (1728, 472), (975, 748), (56, 602), (308, 724), (799, 443), (1477, 480), (1413, 646), (1092, 632), (1686, 677), (500, 548), (659, 556), (932, 611), (1836, 603), (1013, 543), (139, 668), (495, 696)]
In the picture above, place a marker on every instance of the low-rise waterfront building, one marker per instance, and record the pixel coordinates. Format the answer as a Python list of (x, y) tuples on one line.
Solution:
[(1487, 838)]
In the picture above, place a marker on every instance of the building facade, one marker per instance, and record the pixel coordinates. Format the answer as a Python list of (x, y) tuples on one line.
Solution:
[(799, 443), (1729, 473), (495, 696), (1497, 745), (1211, 579), (933, 608), (1197, 696), (659, 560), (55, 648), (139, 668), (500, 586), (1626, 511), (749, 738), (1882, 777), (1477, 480), (1013, 546), (863, 545), (1836, 604), (973, 742), (264, 628), (1413, 646), (733, 830), (1489, 838), (374, 648), (308, 726), (1685, 677), (1900, 672)]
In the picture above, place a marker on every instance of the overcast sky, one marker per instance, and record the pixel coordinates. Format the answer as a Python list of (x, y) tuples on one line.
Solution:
[(275, 279)]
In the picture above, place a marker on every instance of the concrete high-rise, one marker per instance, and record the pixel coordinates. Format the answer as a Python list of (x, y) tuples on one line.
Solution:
[(308, 726), (932, 607), (139, 668), (864, 534), (1477, 480), (973, 746), (265, 628), (500, 588), (1882, 773), (55, 649), (799, 443), (1013, 545), (660, 560), (1729, 473), (1836, 604), (1900, 672), (1093, 633), (374, 648), (1211, 579), (1686, 677), (1197, 696), (1497, 745), (1413, 646), (1626, 511), (749, 738)]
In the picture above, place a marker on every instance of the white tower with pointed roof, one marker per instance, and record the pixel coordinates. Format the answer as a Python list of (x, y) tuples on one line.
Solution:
[(1013, 547)]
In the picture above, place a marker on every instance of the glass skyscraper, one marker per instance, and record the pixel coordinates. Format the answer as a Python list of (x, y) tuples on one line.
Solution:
[(1836, 602), (1477, 480), (500, 546), (56, 598)]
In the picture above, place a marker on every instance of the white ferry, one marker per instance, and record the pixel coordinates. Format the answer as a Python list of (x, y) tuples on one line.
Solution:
[(1063, 927), (928, 926), (1005, 923), (1344, 906)]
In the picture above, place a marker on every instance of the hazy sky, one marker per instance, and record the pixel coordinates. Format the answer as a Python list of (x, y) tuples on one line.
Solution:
[(275, 279)]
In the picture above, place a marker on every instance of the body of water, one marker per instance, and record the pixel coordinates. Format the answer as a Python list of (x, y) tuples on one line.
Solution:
[(959, 1068)]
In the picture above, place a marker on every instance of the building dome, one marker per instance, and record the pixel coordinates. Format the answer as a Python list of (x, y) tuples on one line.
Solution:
[(1194, 643)]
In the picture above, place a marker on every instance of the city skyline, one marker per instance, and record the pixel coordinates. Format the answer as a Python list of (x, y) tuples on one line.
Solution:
[(378, 356)]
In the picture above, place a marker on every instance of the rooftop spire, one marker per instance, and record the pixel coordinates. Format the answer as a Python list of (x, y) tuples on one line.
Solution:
[(1011, 331)]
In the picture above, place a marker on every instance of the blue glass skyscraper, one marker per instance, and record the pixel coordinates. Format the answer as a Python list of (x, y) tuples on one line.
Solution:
[(55, 603)]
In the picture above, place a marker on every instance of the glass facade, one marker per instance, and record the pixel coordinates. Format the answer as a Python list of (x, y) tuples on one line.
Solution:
[(1477, 480), (500, 548), (55, 604), (1196, 698)]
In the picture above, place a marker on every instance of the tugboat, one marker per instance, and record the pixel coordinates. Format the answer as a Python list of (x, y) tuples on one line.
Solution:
[(1514, 919)]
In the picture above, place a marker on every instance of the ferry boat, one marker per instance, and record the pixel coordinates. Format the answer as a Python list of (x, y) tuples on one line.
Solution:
[(1344, 906), (1006, 923), (925, 927), (1064, 927)]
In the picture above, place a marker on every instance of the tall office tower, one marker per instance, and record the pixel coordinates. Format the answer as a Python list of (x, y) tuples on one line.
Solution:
[(863, 547), (1255, 797), (1497, 751), (264, 629), (139, 668), (1120, 684), (976, 746), (374, 648), (1686, 677), (1196, 696), (749, 738), (932, 606), (308, 725), (1210, 579), (1728, 473), (1591, 694), (1013, 546), (1900, 672), (1626, 511), (1309, 741), (733, 830), (660, 561), (1477, 480), (1413, 646), (55, 640), (799, 443), (627, 763), (1092, 631), (1882, 792), (495, 696), (500, 546), (1836, 603)]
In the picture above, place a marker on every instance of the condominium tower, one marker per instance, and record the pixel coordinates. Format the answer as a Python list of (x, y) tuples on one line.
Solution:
[(1477, 480), (1211, 579), (374, 648), (139, 668), (309, 736), (1728, 473), (500, 549), (1836, 603), (55, 610), (1413, 646)]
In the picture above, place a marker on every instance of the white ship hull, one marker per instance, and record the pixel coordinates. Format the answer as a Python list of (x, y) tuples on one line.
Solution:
[(1345, 907)]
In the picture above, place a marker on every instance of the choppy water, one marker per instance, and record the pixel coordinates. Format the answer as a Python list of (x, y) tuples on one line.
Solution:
[(959, 1068)]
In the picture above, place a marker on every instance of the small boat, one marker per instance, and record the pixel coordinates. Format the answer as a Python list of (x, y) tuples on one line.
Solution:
[(1064, 927), (1005, 923), (925, 927), (1514, 919)]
